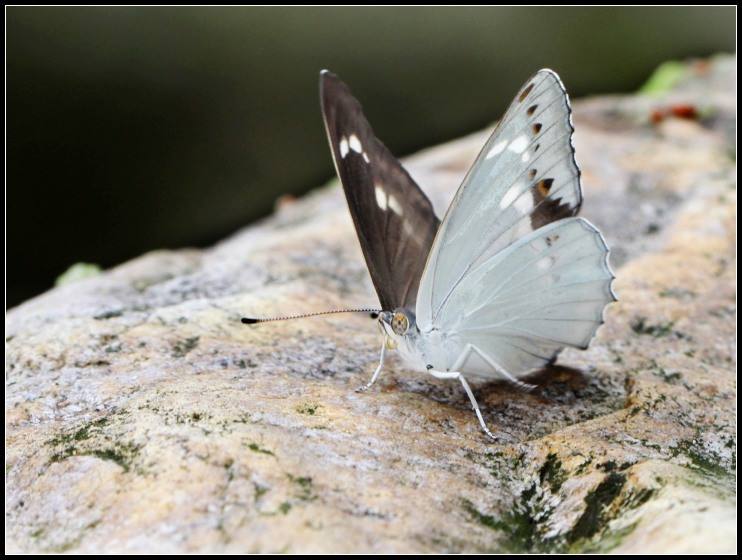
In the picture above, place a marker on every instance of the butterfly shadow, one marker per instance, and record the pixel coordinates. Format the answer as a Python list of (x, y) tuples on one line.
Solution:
[(552, 383), (561, 396)]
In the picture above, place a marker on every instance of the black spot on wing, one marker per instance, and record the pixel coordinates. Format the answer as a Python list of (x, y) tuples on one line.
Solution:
[(544, 186), (548, 209), (525, 92)]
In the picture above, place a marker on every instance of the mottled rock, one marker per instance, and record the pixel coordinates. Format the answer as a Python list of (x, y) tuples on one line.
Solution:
[(141, 416)]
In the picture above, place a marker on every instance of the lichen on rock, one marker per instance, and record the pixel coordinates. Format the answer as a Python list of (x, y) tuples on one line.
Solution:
[(141, 416)]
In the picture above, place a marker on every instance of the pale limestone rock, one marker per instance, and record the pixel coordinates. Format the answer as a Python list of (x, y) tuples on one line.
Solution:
[(141, 416)]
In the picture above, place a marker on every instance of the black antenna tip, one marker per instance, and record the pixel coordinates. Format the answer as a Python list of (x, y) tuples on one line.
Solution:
[(250, 320), (374, 314)]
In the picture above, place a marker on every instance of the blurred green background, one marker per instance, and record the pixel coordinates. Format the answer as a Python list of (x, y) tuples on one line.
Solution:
[(130, 129)]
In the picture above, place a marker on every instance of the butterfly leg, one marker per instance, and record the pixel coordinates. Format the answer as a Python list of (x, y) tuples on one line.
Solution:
[(460, 361), (378, 369), (502, 371), (474, 403)]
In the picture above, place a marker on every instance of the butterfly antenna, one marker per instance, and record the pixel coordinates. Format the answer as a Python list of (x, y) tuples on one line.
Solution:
[(252, 320)]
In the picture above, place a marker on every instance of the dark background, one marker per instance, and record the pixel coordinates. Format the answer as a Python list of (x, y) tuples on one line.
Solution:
[(131, 129)]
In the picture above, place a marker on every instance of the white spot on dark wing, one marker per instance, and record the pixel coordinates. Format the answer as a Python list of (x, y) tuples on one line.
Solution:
[(343, 147), (394, 205), (355, 144), (380, 197), (365, 158)]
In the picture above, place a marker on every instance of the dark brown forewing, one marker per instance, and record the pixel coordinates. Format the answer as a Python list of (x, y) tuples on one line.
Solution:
[(394, 219)]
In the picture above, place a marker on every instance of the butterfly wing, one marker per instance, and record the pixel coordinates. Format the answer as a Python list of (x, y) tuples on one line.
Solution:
[(486, 283), (394, 220), (525, 177), (542, 293)]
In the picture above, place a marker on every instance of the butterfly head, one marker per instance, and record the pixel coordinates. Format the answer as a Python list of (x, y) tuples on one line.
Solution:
[(397, 324)]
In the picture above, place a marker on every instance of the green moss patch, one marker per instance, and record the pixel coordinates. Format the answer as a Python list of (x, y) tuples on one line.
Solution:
[(310, 409), (85, 441), (704, 461), (525, 522), (593, 519), (551, 473), (182, 347), (254, 447), (81, 434), (304, 486), (641, 326), (664, 78), (121, 454)]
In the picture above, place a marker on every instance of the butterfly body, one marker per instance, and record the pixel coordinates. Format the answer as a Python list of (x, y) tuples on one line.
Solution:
[(420, 351), (510, 276)]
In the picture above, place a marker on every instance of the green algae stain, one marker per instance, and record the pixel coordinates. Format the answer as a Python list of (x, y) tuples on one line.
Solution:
[(305, 488), (254, 447), (593, 519), (526, 521), (519, 526), (182, 347), (284, 508), (78, 443), (667, 375), (76, 272), (310, 409), (260, 491), (608, 541), (551, 473), (702, 461), (641, 327), (664, 78), (121, 454), (81, 434)]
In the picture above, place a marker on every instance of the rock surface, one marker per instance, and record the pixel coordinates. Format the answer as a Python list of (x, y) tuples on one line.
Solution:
[(141, 416)]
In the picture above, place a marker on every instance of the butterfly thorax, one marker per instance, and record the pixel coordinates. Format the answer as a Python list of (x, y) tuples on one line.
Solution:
[(420, 351)]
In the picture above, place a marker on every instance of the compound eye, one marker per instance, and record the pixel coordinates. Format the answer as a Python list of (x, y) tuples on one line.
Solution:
[(400, 323)]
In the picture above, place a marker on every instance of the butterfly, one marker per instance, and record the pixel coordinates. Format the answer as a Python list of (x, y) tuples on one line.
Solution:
[(510, 276)]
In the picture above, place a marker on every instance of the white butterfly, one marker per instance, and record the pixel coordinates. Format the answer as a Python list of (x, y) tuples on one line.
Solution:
[(510, 276)]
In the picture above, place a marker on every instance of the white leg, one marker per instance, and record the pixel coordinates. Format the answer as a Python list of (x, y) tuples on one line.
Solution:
[(474, 404), (517, 382), (461, 360), (378, 369), (456, 374)]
